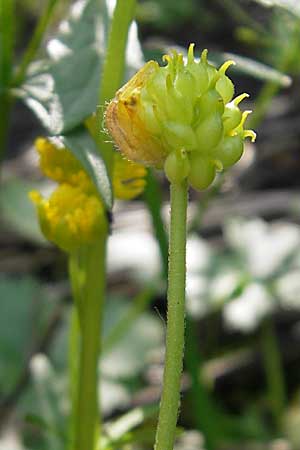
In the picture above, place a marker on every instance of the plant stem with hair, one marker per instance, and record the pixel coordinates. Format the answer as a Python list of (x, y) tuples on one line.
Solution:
[(170, 400)]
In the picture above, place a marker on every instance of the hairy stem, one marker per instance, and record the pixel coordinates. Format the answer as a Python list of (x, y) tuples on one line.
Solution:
[(170, 399)]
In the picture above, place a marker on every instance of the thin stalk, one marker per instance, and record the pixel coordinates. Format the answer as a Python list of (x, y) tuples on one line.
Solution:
[(87, 418), (74, 342), (7, 38), (170, 399), (90, 308), (34, 42), (273, 371), (153, 199), (114, 68)]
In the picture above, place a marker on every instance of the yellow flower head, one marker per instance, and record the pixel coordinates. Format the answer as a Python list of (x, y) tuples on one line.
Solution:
[(70, 218), (128, 178), (58, 163), (74, 215), (181, 117)]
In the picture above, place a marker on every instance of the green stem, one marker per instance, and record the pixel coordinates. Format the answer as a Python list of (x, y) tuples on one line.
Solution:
[(7, 36), (74, 342), (274, 371), (35, 42), (114, 67), (170, 400), (92, 285)]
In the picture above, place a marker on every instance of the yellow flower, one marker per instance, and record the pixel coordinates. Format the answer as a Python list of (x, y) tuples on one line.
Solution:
[(128, 178), (181, 117), (74, 214), (70, 218)]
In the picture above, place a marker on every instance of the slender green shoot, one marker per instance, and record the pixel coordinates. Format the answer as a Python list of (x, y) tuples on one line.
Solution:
[(114, 68), (91, 276), (35, 42), (7, 40), (170, 400)]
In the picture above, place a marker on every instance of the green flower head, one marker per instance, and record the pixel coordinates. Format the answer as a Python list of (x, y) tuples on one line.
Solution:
[(181, 117)]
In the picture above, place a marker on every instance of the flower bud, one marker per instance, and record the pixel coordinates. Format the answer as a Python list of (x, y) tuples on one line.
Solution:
[(180, 117)]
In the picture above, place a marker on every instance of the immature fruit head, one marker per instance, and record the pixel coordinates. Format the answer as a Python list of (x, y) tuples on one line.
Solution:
[(180, 117)]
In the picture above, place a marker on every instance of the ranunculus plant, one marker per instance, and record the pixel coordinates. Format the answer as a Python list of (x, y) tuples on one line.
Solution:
[(181, 118)]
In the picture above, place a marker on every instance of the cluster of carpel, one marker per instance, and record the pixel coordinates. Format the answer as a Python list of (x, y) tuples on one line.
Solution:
[(181, 117)]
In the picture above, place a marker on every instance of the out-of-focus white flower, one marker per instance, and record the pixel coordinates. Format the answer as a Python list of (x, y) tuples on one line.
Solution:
[(134, 251), (223, 285), (190, 440), (137, 252), (198, 259), (245, 312), (41, 368), (197, 287), (264, 247), (288, 290), (198, 254), (10, 440)]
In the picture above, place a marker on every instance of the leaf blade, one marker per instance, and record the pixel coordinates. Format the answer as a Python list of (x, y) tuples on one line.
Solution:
[(84, 148)]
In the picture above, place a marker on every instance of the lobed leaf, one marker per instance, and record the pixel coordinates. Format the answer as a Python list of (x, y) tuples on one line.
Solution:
[(63, 89)]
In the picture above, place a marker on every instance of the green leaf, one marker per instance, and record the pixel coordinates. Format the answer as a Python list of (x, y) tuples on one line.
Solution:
[(63, 90), (18, 211), (253, 68), (24, 306), (84, 149), (40, 423)]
